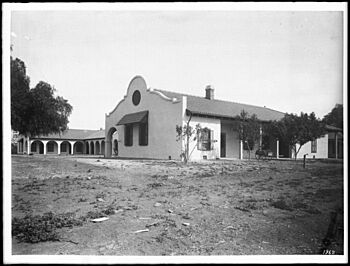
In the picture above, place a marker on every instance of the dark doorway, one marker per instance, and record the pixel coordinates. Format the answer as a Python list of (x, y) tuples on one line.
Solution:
[(284, 151), (223, 145)]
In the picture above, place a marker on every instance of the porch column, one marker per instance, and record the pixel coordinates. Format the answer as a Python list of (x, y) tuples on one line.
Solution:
[(58, 146), (72, 150), (28, 145), (277, 148), (45, 142), (260, 136), (241, 149), (336, 145)]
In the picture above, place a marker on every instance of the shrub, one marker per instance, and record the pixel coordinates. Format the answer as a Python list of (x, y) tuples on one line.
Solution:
[(40, 228), (281, 204)]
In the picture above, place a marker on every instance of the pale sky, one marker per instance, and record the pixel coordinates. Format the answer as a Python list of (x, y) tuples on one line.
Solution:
[(289, 61)]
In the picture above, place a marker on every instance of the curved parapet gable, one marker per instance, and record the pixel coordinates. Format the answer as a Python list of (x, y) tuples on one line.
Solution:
[(173, 100), (115, 108), (139, 83)]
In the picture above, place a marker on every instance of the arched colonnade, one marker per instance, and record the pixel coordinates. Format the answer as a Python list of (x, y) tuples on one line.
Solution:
[(68, 147)]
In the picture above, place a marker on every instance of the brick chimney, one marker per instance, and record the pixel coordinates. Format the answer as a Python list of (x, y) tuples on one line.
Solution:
[(209, 92)]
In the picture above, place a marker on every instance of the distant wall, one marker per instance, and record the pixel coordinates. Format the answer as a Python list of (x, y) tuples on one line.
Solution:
[(321, 152)]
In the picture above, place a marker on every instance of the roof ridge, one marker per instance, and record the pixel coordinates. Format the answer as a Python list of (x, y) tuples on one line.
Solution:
[(219, 100)]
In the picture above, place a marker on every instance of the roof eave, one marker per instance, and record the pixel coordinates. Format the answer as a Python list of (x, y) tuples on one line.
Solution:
[(216, 116)]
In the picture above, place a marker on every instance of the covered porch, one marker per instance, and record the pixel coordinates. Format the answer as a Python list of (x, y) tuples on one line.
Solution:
[(231, 147)]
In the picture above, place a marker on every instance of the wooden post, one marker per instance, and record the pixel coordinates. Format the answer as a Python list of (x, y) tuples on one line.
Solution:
[(304, 160), (260, 136), (241, 149)]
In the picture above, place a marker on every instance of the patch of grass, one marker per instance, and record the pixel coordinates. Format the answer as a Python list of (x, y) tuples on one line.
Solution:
[(41, 228), (155, 185), (281, 204), (328, 192), (82, 199), (93, 215)]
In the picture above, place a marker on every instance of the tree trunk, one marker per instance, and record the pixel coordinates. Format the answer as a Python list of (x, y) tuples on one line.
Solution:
[(187, 148)]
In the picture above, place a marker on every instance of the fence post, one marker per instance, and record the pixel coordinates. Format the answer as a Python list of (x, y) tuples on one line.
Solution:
[(304, 160)]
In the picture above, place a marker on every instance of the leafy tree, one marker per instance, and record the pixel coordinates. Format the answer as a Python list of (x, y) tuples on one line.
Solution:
[(35, 111), (20, 97), (335, 117), (187, 134), (297, 130), (249, 130)]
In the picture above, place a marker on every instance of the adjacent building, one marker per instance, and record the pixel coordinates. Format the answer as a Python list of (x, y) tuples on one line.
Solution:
[(71, 141), (328, 146)]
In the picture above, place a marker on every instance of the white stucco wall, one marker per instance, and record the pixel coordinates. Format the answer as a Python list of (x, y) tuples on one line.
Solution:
[(212, 124), (322, 149), (164, 114), (232, 140)]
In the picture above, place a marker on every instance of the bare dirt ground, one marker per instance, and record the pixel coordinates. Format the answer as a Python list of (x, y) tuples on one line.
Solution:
[(208, 208)]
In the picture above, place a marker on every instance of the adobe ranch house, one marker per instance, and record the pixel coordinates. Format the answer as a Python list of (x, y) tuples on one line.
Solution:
[(143, 125)]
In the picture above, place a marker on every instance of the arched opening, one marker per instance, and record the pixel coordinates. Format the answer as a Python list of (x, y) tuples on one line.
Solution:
[(78, 147), (115, 147), (37, 147), (87, 148), (97, 147), (66, 147), (109, 141), (103, 147), (52, 147), (92, 150)]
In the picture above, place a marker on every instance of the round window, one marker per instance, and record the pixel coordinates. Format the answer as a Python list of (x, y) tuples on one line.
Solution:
[(136, 97)]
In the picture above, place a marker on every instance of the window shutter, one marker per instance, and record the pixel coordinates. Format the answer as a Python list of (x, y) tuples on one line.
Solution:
[(131, 134), (146, 134), (211, 139), (140, 134)]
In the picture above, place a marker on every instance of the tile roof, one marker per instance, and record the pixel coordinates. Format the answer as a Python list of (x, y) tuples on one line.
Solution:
[(225, 109), (333, 128), (76, 134)]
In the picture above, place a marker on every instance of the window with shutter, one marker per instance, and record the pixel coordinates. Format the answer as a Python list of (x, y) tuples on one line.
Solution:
[(205, 139), (143, 134), (314, 146), (128, 136)]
